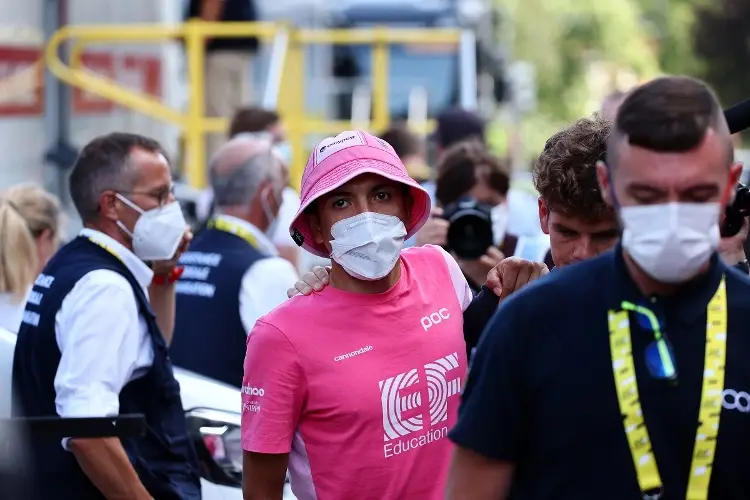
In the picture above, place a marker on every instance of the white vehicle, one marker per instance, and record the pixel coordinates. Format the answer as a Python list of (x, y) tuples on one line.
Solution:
[(213, 422)]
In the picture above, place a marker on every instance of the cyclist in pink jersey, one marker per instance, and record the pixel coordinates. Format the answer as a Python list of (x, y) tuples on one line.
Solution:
[(354, 388)]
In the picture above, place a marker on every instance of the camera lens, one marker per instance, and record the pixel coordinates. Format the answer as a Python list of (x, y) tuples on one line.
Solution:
[(469, 236), (470, 231)]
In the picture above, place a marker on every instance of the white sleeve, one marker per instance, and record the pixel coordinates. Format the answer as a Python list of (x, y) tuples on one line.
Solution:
[(460, 285), (264, 288), (98, 333)]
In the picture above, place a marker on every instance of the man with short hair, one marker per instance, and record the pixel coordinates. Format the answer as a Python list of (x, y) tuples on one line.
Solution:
[(90, 345), (233, 273), (571, 210), (637, 366), (258, 121)]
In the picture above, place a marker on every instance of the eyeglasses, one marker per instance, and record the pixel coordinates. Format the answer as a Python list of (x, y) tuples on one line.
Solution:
[(660, 359), (162, 196)]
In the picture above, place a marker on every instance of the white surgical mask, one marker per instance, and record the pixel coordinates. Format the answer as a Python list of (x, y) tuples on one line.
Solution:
[(157, 232), (671, 241), (273, 219), (284, 151), (499, 216), (368, 245)]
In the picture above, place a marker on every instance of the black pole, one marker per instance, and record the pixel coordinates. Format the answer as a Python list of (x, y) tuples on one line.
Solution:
[(60, 153)]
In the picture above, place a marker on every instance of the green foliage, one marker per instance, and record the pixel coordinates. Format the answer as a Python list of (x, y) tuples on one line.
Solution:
[(562, 38), (721, 39)]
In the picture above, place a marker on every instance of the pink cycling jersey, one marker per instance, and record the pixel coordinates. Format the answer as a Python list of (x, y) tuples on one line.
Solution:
[(361, 389)]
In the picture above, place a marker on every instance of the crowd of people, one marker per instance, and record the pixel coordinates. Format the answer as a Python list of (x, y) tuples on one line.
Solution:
[(356, 379)]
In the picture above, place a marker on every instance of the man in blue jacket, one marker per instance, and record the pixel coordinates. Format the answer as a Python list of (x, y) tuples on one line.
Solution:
[(632, 382), (89, 344)]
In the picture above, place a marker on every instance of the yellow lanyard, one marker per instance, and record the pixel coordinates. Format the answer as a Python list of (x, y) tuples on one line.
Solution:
[(106, 247), (234, 228), (710, 405)]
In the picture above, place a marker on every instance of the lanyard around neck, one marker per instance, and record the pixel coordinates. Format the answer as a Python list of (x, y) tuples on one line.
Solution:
[(105, 247), (639, 442), (234, 228)]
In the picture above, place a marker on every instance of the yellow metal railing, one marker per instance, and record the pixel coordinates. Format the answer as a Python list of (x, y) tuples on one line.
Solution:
[(192, 121)]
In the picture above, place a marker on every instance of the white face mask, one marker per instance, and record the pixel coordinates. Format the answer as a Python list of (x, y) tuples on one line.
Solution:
[(671, 241), (284, 151), (499, 222), (273, 219), (368, 245), (157, 232)]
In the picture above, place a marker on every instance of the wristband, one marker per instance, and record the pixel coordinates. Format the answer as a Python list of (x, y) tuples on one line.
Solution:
[(174, 275)]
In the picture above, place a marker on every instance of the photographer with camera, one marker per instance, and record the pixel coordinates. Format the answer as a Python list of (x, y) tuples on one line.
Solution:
[(472, 188)]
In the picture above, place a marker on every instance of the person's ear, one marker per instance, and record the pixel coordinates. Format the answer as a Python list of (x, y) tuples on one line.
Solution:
[(735, 174), (110, 206), (543, 215), (605, 183)]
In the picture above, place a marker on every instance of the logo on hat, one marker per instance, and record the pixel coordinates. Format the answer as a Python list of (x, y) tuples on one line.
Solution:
[(298, 238), (333, 145)]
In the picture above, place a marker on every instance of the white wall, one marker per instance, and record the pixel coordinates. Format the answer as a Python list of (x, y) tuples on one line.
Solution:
[(22, 137)]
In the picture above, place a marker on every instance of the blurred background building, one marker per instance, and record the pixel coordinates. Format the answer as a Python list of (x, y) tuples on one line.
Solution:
[(526, 66)]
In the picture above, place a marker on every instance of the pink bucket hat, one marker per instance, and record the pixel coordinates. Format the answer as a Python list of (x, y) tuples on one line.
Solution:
[(336, 161)]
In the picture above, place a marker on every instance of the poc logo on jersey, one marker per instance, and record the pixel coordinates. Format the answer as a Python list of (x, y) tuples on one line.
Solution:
[(252, 391), (434, 318)]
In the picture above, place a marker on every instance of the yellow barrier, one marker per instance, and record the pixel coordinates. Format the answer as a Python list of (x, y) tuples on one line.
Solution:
[(193, 121)]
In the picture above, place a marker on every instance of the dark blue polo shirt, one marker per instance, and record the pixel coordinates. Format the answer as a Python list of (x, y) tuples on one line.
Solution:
[(541, 391)]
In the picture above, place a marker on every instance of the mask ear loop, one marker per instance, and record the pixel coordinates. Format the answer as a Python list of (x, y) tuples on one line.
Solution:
[(131, 205)]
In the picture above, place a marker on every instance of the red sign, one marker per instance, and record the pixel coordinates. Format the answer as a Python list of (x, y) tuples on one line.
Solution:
[(21, 81), (141, 73), (21, 89)]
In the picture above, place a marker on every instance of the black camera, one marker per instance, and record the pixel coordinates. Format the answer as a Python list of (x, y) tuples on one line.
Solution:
[(470, 231), (735, 214)]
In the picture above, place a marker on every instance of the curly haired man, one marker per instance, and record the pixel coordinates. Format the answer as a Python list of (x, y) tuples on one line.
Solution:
[(571, 209)]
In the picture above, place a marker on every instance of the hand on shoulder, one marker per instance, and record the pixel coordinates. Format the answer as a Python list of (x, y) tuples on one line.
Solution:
[(512, 274), (315, 280)]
